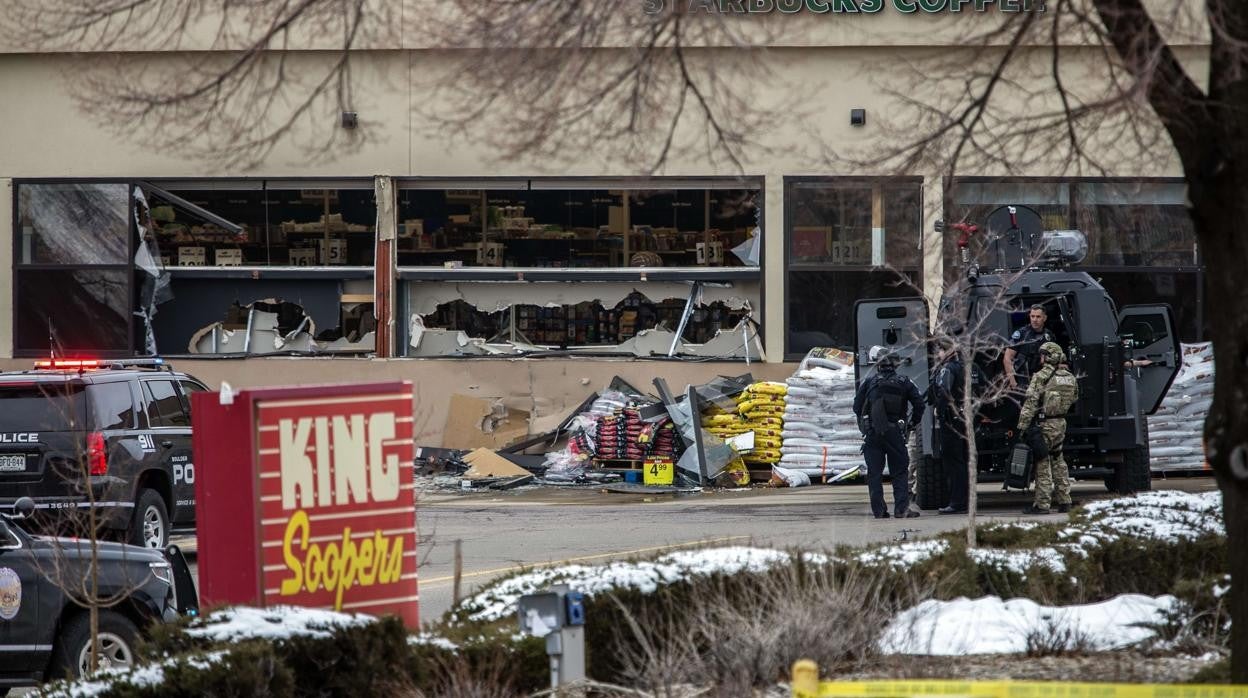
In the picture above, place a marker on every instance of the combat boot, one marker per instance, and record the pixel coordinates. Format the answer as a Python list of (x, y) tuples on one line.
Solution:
[(1033, 509)]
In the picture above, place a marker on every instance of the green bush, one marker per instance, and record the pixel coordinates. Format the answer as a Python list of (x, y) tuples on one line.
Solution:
[(250, 669)]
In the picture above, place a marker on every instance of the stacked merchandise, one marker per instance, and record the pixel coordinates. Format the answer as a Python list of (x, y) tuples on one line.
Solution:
[(570, 462), (821, 437), (1175, 432), (762, 406), (660, 438), (759, 409), (610, 439)]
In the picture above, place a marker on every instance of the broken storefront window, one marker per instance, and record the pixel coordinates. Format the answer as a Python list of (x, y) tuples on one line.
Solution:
[(636, 325)]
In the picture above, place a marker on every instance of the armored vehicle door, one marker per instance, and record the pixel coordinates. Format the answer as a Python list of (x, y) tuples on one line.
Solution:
[(900, 324), (1147, 334)]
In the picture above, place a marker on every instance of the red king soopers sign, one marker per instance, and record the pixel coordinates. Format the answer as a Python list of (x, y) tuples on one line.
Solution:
[(331, 507)]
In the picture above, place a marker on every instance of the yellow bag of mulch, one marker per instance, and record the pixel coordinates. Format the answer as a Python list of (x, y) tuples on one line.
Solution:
[(768, 388)]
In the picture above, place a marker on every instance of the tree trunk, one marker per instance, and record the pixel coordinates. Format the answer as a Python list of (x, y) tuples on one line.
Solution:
[(1220, 212)]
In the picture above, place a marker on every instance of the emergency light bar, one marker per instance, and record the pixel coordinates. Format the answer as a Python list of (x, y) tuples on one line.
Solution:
[(85, 364), (1064, 246)]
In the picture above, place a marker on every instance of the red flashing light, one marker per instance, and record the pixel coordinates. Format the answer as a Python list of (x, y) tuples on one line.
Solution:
[(97, 455), (79, 364)]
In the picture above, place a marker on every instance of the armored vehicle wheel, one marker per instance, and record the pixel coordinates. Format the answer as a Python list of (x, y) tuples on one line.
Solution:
[(1134, 473), (933, 489)]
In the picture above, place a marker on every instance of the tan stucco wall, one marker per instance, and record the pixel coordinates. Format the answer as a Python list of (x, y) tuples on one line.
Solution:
[(839, 66), (548, 389), (45, 133)]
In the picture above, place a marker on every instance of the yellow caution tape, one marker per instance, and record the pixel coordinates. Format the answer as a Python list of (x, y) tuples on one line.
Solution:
[(806, 684)]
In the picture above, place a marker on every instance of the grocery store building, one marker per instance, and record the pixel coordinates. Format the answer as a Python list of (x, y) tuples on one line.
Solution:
[(521, 281)]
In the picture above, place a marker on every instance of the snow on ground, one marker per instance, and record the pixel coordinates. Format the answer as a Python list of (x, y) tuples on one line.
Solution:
[(273, 623), (499, 601), (148, 676), (1019, 561), (1168, 515), (903, 555), (991, 626), (433, 640)]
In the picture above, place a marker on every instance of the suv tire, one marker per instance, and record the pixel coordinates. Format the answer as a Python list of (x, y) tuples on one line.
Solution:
[(1134, 473), (150, 526), (932, 488), (116, 643)]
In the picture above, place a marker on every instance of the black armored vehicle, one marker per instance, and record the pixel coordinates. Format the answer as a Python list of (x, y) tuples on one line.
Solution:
[(1125, 358)]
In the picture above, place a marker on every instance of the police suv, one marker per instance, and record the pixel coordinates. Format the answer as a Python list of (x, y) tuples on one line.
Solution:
[(45, 630), (100, 443)]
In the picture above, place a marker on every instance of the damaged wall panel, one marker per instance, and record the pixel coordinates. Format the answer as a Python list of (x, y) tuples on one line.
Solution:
[(425, 297), (587, 317), (198, 303)]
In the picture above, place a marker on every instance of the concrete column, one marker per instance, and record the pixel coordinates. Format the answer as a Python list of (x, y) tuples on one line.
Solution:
[(7, 235), (774, 276), (933, 242)]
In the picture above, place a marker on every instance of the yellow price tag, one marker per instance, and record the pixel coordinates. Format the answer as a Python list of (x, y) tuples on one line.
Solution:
[(658, 471)]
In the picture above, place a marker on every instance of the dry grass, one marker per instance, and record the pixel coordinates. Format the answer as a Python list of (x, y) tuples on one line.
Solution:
[(737, 639)]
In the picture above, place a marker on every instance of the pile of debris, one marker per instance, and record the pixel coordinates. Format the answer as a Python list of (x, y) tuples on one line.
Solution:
[(649, 440), (275, 326)]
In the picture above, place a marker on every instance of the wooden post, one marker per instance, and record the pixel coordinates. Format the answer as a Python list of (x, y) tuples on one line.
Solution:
[(384, 266), (459, 573)]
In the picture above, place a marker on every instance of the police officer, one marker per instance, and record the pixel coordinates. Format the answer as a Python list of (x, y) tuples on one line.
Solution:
[(1051, 394), (947, 391), (880, 406), (1022, 357)]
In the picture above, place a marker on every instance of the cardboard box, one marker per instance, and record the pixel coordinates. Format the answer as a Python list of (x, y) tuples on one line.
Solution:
[(809, 242), (228, 258), (412, 227), (192, 256), (473, 422), (484, 463)]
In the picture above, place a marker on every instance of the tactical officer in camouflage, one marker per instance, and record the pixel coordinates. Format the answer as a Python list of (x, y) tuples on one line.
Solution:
[(1050, 395)]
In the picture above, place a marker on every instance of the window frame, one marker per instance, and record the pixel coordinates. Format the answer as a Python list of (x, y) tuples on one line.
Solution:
[(849, 182), (1197, 266), (127, 268)]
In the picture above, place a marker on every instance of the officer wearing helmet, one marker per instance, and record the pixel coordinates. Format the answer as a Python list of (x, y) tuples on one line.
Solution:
[(881, 408), (1053, 390)]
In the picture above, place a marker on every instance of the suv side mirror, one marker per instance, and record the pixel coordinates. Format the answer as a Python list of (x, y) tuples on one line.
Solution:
[(23, 508)]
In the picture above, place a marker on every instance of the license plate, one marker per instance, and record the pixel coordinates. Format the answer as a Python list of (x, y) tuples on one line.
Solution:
[(12, 464)]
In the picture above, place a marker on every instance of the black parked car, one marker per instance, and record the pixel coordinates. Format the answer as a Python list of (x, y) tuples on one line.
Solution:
[(108, 438), (44, 626)]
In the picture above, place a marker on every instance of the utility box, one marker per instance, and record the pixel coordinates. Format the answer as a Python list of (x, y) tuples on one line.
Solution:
[(559, 616)]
